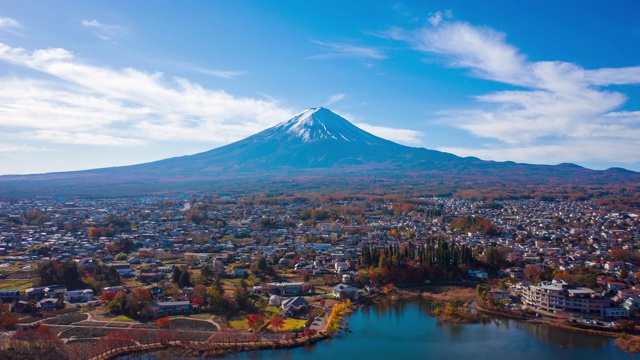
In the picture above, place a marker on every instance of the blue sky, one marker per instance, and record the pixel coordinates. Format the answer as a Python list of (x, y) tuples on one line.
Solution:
[(88, 84)]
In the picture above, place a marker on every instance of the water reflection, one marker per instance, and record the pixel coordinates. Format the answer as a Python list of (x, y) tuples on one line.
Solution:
[(565, 338), (403, 330)]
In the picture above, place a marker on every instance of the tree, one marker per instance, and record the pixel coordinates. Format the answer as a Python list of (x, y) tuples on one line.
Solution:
[(277, 323), (255, 321), (456, 303), (65, 273), (185, 278), (531, 272), (494, 256), (106, 275), (71, 275), (206, 272), (118, 304), (37, 343), (309, 332), (108, 296), (241, 297), (562, 275), (214, 300), (120, 257), (305, 275), (175, 276), (8, 320), (163, 322), (138, 300), (624, 274)]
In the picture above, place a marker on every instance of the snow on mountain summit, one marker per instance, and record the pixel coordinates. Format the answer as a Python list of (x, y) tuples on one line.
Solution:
[(319, 124)]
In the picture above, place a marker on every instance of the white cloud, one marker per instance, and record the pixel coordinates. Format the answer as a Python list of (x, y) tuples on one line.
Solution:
[(403, 136), (18, 149), (561, 103), (87, 104), (104, 31), (8, 23), (82, 138), (335, 98), (436, 18), (338, 50), (577, 151)]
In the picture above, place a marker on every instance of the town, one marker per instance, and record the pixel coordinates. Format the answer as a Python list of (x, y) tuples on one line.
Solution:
[(216, 265)]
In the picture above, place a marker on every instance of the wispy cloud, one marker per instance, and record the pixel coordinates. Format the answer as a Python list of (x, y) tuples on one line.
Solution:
[(575, 150), (436, 18), (335, 98), (8, 23), (93, 105), (18, 149), (339, 50), (226, 74), (403, 136), (561, 106), (104, 31)]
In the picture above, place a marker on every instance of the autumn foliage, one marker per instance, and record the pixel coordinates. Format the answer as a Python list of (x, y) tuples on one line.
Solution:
[(474, 224), (108, 296), (277, 323), (163, 322), (255, 321)]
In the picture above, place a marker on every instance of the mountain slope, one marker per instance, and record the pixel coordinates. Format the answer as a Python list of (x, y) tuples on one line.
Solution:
[(317, 143)]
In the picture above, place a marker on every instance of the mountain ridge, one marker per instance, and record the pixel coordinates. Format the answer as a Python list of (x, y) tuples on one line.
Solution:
[(318, 142)]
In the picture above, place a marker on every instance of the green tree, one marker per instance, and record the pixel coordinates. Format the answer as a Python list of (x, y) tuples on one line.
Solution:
[(175, 276), (185, 278)]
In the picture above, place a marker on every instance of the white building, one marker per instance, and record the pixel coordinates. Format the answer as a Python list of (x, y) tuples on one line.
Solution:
[(558, 296), (78, 295), (616, 313), (345, 291)]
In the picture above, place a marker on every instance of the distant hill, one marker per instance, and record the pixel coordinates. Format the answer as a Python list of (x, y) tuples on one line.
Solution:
[(315, 144)]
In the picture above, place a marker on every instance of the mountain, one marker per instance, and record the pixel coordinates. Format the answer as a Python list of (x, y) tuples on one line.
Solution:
[(316, 143)]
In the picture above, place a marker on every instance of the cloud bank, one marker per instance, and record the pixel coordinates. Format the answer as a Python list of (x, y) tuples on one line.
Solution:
[(121, 106), (564, 112)]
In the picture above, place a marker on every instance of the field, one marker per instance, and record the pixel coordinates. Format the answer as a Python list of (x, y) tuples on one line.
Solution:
[(239, 323), (22, 285), (294, 324)]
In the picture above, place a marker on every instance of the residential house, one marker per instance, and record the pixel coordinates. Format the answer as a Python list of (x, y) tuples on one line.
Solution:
[(123, 269), (56, 291), (8, 296), (79, 295), (343, 291), (48, 304), (35, 293), (294, 306), (114, 289), (164, 308)]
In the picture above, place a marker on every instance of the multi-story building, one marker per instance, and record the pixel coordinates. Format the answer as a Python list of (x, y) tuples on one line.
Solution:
[(558, 296)]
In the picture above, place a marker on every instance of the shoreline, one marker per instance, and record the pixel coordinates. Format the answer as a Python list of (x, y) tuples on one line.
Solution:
[(442, 294)]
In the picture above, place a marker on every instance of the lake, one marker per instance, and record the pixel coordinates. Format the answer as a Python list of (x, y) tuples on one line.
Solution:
[(403, 330)]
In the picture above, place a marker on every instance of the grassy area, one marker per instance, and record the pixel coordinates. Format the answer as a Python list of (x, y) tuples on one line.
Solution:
[(271, 311), (240, 324), (201, 316), (123, 318), (293, 324), (21, 285)]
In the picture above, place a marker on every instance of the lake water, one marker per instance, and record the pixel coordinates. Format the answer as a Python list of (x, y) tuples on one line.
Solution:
[(403, 330)]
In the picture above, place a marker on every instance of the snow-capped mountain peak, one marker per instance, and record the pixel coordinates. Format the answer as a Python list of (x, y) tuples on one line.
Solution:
[(319, 124)]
